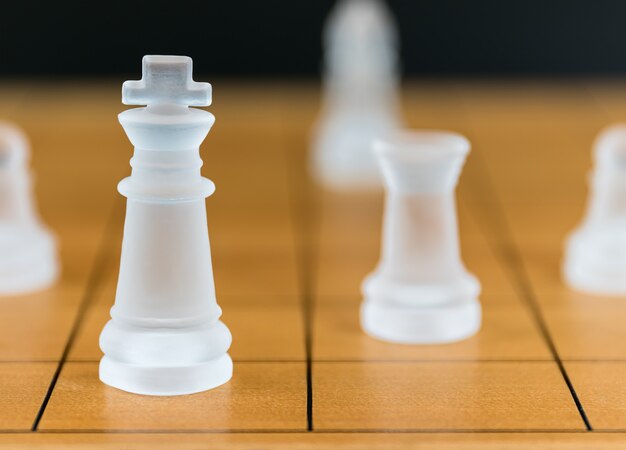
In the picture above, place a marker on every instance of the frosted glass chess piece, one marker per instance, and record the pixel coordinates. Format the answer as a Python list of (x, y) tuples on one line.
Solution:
[(360, 100), (595, 253), (165, 336), (28, 257), (420, 292)]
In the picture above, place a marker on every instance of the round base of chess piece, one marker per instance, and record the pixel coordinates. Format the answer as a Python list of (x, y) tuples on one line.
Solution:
[(421, 314), (405, 324), (28, 261), (164, 381), (152, 360), (595, 263)]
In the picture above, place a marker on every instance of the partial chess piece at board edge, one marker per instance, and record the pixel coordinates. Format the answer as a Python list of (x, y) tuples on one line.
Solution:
[(595, 253), (28, 250)]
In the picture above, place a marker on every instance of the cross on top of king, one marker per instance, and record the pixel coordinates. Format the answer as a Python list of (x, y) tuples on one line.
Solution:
[(166, 80)]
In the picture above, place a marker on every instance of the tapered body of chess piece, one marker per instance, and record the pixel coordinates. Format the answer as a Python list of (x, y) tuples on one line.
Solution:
[(421, 292), (28, 259), (165, 336), (595, 253), (360, 100)]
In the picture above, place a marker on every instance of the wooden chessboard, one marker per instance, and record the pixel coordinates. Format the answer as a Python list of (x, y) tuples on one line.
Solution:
[(548, 368)]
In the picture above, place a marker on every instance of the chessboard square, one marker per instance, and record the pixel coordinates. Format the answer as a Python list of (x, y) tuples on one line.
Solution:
[(266, 332), (261, 274), (588, 327), (601, 390), (248, 185), (77, 250), (106, 286), (252, 324), (259, 150), (519, 177), (271, 199), (85, 346), (252, 231), (496, 279), (260, 396), (349, 221), (36, 327), (471, 216), (339, 274), (507, 333), (543, 266), (83, 212), (23, 387), (545, 225), (442, 396)]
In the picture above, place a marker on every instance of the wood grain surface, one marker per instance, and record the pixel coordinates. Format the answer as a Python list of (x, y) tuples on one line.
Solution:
[(548, 368)]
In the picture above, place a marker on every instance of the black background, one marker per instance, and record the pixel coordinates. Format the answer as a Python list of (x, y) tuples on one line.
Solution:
[(268, 38)]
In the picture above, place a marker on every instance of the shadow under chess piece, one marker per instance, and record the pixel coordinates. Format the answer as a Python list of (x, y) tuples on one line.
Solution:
[(420, 292), (28, 259), (360, 100), (595, 253), (165, 336)]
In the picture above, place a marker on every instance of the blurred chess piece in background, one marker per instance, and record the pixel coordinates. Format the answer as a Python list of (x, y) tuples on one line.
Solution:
[(360, 100), (595, 254), (28, 260)]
